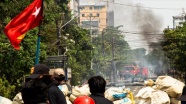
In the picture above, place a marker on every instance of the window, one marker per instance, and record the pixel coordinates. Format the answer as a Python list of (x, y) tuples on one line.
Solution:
[(83, 15), (86, 24), (98, 7), (82, 8), (90, 8), (90, 14), (97, 14)]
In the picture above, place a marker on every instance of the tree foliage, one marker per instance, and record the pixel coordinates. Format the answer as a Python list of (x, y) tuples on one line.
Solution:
[(174, 45), (108, 46), (16, 64), (60, 36)]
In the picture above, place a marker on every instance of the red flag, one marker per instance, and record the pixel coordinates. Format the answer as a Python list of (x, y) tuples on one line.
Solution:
[(29, 18)]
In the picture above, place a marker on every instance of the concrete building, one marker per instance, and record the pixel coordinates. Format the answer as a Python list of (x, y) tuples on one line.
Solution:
[(178, 20), (110, 18), (73, 4), (93, 15)]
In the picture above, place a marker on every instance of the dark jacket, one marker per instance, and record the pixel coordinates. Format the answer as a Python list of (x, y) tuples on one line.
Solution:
[(55, 96), (100, 99), (34, 92)]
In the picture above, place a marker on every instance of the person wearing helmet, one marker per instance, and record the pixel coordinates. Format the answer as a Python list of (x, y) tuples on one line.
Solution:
[(83, 100), (97, 86)]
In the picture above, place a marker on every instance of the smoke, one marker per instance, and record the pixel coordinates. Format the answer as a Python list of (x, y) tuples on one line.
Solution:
[(148, 23), (146, 20), (144, 26)]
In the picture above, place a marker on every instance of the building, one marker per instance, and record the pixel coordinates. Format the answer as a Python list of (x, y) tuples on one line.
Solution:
[(73, 4), (178, 20), (110, 18), (93, 15)]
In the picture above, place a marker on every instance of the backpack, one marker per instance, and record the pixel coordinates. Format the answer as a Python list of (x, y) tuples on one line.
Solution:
[(34, 91)]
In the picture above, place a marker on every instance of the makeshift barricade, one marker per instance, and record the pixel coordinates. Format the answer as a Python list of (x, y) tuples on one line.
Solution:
[(4, 100), (148, 95), (171, 86), (119, 95)]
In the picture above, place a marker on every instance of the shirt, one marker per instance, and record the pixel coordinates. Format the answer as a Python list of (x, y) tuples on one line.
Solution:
[(100, 99), (55, 96)]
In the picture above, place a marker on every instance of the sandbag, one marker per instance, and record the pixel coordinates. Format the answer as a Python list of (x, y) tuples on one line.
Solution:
[(145, 93), (149, 82), (174, 101), (123, 101), (117, 89), (112, 95), (80, 91), (68, 101), (144, 101), (159, 97), (131, 97), (171, 86), (115, 93), (4, 100), (18, 99), (72, 98)]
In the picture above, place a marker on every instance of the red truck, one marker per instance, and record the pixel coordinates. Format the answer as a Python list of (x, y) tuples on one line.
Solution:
[(134, 72)]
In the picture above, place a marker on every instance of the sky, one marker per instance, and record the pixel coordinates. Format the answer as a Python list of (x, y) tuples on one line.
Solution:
[(145, 16)]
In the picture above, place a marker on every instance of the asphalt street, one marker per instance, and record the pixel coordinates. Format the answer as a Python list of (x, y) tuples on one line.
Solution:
[(135, 87)]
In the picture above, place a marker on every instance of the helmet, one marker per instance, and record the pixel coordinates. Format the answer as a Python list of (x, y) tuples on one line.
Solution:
[(83, 100)]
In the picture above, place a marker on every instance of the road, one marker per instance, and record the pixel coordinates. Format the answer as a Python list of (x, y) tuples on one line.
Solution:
[(135, 87)]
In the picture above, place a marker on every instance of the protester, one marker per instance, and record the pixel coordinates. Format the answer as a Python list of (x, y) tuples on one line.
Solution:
[(83, 100), (59, 76), (97, 86), (182, 98), (40, 87)]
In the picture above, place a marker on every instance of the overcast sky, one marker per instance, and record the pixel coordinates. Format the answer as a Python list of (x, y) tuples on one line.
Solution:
[(139, 16)]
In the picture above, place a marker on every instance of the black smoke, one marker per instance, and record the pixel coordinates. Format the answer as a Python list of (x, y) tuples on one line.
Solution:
[(148, 24)]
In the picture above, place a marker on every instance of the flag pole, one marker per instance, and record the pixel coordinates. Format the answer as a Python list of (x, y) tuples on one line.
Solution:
[(38, 40)]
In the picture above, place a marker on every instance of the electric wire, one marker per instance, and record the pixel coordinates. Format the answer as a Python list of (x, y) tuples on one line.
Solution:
[(130, 32), (136, 6)]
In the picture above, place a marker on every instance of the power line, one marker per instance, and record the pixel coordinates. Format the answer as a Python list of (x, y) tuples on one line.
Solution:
[(130, 32), (136, 6)]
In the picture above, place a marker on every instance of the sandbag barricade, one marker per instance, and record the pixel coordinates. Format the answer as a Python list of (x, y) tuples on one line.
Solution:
[(159, 97), (174, 101), (119, 95), (148, 95), (123, 101), (171, 86), (79, 91), (165, 90), (4, 100)]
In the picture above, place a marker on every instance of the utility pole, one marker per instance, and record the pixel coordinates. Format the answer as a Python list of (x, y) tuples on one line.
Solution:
[(90, 23), (78, 2), (103, 45), (113, 59), (113, 64)]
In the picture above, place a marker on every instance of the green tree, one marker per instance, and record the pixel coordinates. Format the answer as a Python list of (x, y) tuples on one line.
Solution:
[(174, 45), (16, 64), (69, 36), (108, 47)]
